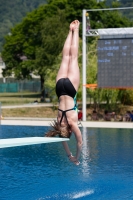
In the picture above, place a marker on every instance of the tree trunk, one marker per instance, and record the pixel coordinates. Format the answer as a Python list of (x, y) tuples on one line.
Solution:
[(42, 86)]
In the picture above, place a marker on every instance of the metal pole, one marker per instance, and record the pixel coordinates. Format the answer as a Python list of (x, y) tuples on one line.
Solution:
[(84, 64), (101, 9)]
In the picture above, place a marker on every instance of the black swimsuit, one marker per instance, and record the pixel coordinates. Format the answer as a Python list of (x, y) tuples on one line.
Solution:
[(65, 87)]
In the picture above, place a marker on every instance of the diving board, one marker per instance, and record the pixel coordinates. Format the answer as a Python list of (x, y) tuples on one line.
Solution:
[(13, 142)]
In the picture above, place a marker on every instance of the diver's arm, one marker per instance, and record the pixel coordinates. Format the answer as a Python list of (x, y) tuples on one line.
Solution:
[(66, 147), (78, 136), (69, 154)]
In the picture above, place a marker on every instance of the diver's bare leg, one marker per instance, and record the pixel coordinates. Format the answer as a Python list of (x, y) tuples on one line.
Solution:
[(73, 71), (63, 70)]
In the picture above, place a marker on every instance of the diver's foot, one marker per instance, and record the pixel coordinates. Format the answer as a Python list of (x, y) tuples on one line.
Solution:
[(72, 25), (77, 24)]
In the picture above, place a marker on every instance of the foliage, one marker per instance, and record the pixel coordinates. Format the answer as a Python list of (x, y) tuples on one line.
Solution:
[(40, 36), (125, 97), (123, 3), (40, 44), (12, 12)]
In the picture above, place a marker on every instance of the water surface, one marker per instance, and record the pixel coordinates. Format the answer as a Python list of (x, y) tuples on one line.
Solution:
[(42, 171)]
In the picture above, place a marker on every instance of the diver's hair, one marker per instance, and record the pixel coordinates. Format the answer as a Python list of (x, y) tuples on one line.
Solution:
[(58, 130)]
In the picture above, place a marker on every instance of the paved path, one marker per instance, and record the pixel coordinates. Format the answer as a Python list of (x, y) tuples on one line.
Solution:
[(28, 105), (46, 122)]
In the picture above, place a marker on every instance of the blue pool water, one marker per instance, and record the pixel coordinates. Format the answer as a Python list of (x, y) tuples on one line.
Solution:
[(39, 172)]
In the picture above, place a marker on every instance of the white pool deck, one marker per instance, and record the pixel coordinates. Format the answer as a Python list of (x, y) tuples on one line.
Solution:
[(47, 121)]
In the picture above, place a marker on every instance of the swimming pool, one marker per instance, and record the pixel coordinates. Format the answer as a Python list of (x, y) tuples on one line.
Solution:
[(39, 172)]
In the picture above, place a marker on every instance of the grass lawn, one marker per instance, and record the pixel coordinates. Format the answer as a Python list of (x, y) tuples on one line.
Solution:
[(43, 112), (50, 112), (25, 98), (40, 112), (18, 98)]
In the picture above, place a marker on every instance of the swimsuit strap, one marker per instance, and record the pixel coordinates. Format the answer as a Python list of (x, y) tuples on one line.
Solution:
[(64, 114), (64, 111), (75, 103)]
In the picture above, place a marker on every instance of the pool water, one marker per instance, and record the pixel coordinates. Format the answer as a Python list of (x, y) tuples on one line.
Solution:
[(42, 171)]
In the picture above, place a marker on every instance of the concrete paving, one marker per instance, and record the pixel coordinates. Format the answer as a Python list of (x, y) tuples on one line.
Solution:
[(29, 105), (47, 122)]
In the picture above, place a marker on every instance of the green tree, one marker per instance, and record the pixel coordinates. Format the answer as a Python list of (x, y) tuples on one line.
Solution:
[(40, 36), (39, 44), (54, 31), (12, 12)]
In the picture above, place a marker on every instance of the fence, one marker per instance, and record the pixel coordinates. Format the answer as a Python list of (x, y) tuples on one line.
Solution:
[(29, 86)]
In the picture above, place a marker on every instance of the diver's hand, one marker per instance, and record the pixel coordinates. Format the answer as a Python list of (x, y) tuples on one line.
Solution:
[(74, 160)]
